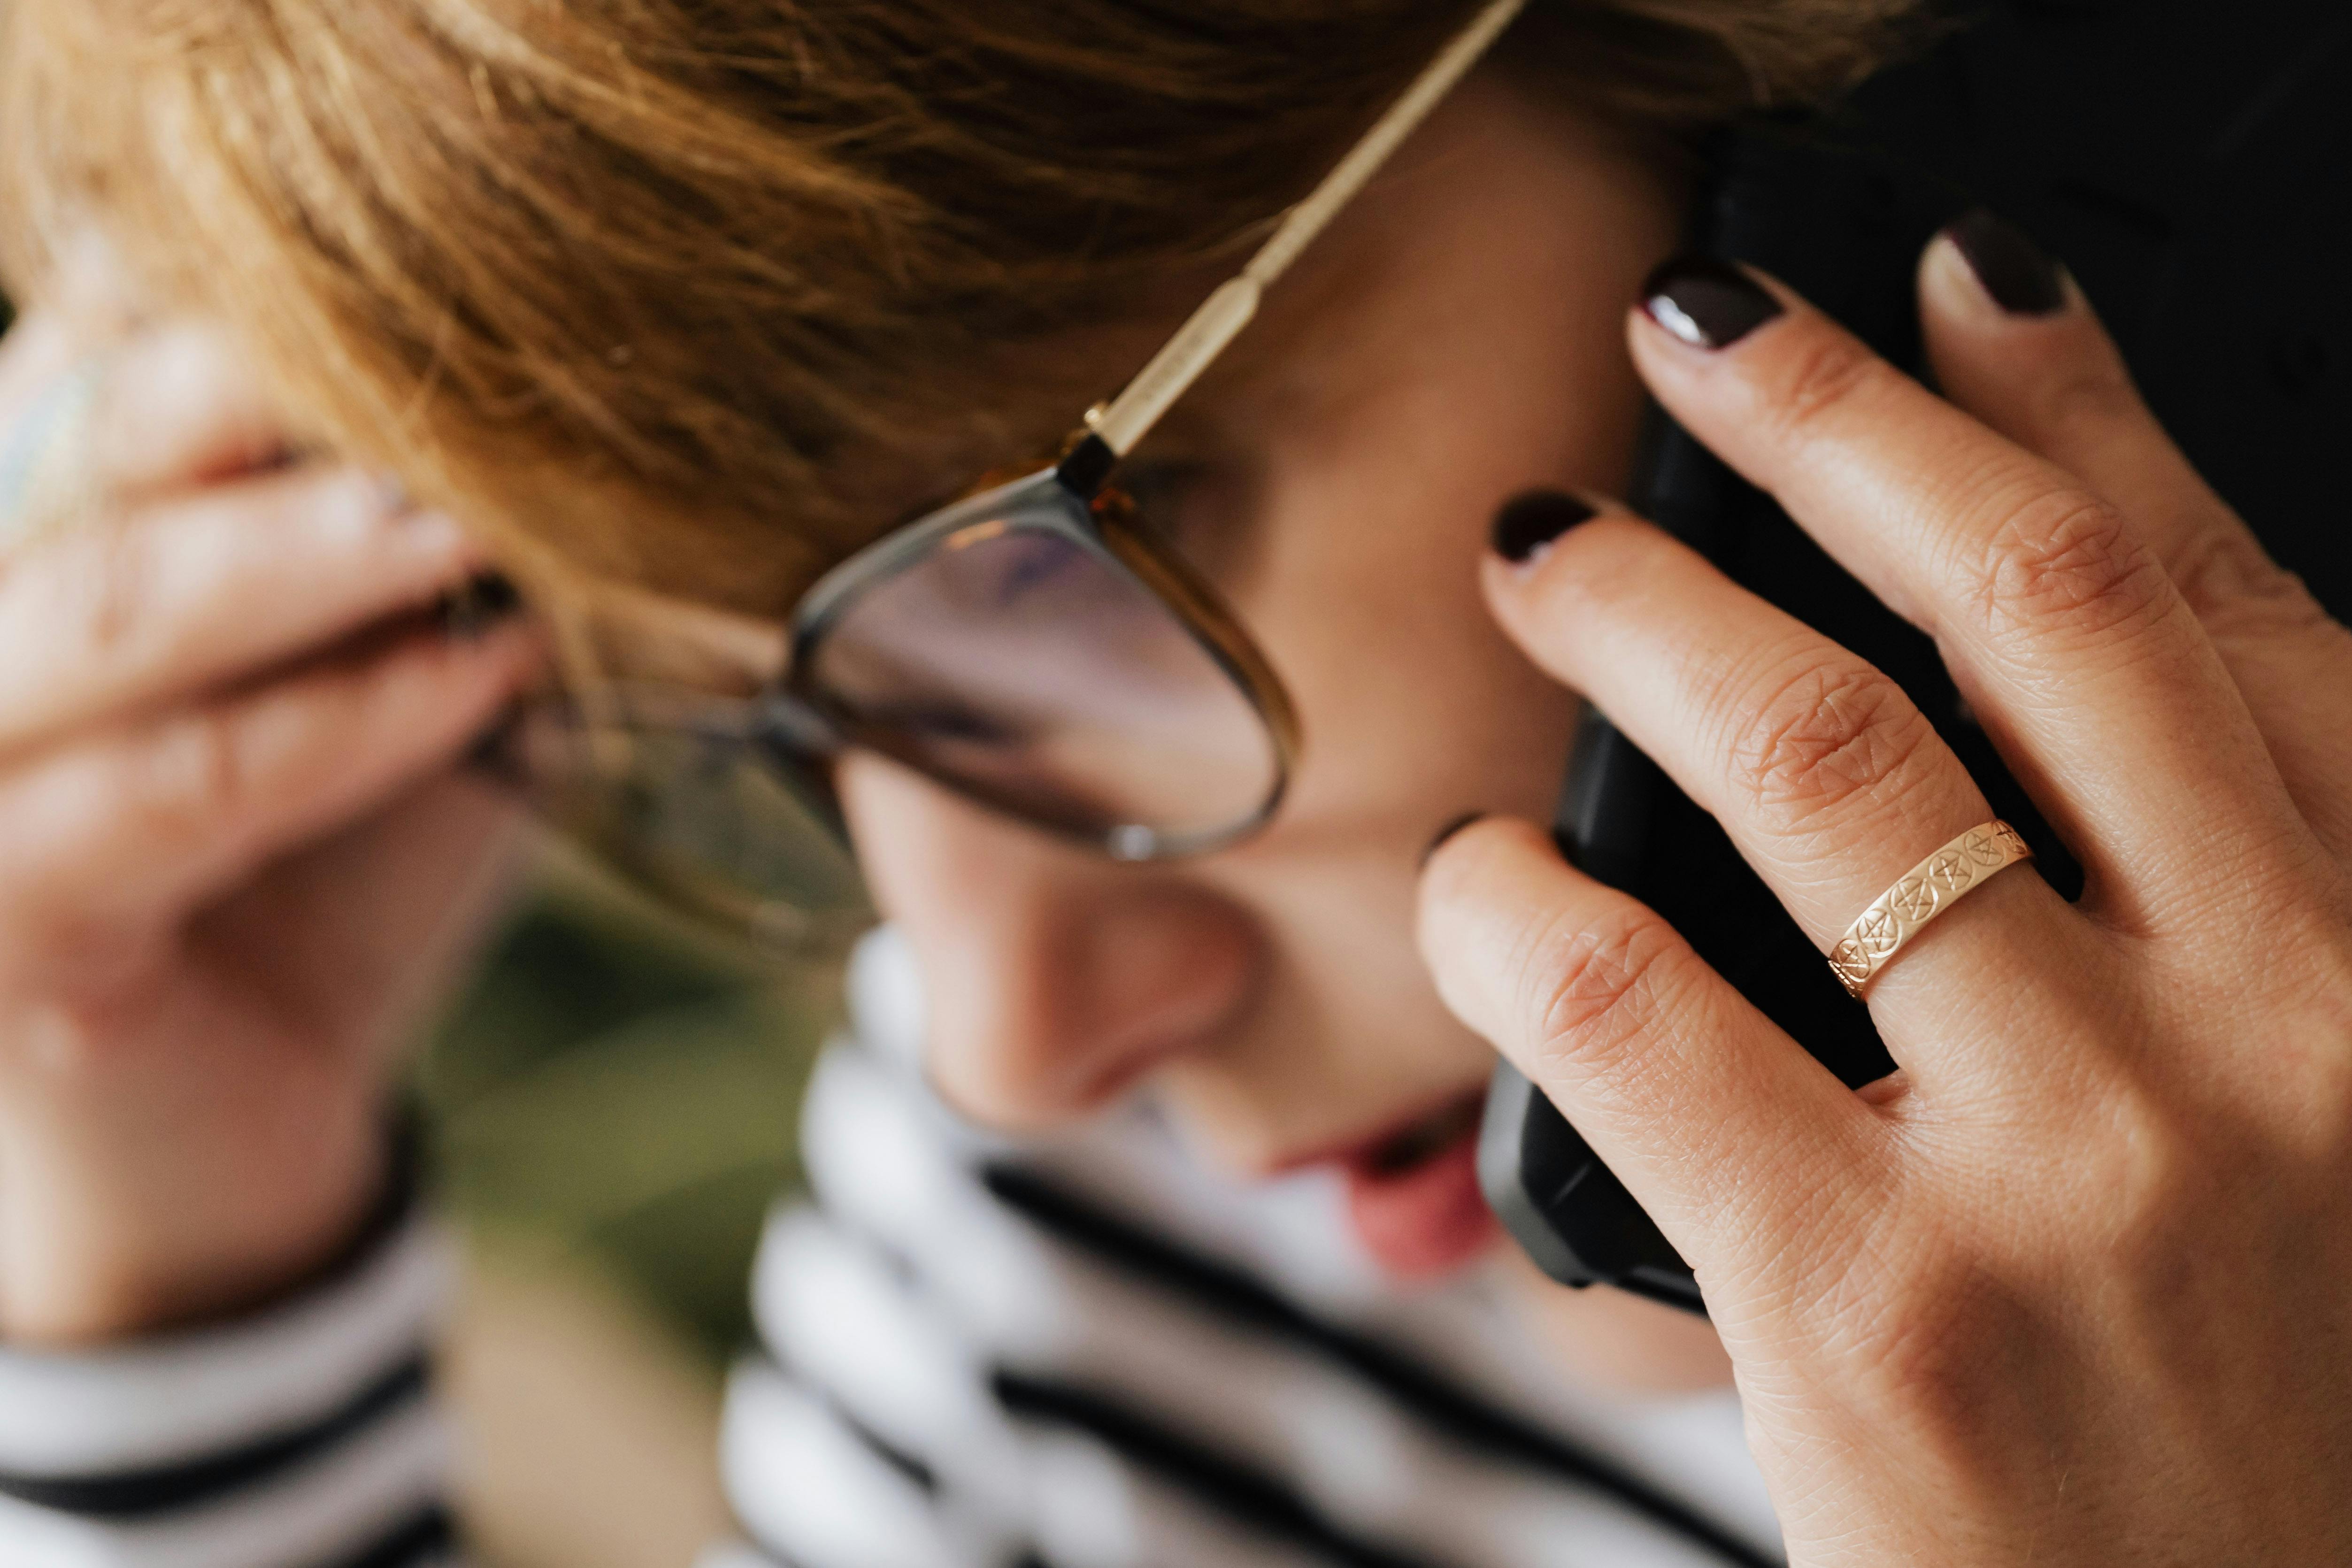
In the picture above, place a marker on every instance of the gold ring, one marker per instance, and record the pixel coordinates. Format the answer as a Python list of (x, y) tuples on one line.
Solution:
[(1926, 890)]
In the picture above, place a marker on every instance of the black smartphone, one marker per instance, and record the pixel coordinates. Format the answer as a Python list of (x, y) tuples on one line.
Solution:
[(2185, 162)]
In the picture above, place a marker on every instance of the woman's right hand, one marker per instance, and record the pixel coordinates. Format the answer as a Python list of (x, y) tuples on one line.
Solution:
[(236, 845)]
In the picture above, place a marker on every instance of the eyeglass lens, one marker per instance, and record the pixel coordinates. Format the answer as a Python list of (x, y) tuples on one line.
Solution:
[(724, 820), (1024, 664)]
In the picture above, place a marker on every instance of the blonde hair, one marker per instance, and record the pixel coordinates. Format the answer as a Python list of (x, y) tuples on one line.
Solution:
[(638, 285)]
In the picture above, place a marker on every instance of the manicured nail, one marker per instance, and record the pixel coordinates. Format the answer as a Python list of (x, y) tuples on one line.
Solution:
[(1449, 830), (486, 599), (1529, 522), (2019, 274), (497, 753), (1707, 303)]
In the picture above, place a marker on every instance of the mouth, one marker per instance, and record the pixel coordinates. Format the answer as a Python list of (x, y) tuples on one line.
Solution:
[(1414, 1196), (1426, 1139)]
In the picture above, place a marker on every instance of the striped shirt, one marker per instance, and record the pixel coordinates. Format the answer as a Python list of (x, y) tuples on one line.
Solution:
[(1083, 1352)]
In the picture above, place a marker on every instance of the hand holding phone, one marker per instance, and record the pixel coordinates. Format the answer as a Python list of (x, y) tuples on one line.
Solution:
[(2187, 164), (2101, 1203)]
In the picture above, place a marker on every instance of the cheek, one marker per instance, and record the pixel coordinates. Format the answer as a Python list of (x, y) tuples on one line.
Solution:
[(1053, 980), (1365, 588), (1415, 709), (1414, 706), (917, 866)]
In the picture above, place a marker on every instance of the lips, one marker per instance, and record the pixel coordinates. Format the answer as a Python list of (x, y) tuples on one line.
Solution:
[(1413, 1195)]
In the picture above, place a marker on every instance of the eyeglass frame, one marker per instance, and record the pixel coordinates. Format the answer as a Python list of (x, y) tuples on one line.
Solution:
[(1098, 518)]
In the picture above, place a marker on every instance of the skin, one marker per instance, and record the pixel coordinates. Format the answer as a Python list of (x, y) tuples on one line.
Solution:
[(1335, 480), (2044, 1225), (199, 771), (2074, 1276)]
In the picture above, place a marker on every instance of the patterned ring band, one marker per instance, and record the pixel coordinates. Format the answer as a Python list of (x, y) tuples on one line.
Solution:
[(1930, 888)]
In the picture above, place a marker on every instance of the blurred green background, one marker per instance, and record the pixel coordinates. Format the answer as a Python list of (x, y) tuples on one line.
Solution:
[(616, 1089)]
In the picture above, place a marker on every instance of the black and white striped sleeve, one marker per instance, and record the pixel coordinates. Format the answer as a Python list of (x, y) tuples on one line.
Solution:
[(979, 1354), (303, 1437)]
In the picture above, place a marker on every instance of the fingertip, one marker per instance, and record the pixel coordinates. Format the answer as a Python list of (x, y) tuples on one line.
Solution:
[(1475, 894), (1467, 852), (1983, 266), (1948, 290), (431, 685), (1452, 828), (1613, 565), (507, 655), (1703, 304), (2014, 342), (182, 409), (1527, 525), (1954, 299)]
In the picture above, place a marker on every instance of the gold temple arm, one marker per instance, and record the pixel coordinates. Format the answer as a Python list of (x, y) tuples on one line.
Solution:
[(1131, 416)]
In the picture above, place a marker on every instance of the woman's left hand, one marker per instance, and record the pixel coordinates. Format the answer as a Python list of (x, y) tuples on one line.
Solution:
[(2075, 1285)]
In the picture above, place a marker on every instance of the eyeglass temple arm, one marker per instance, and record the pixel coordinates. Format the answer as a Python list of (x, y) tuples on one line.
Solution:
[(1131, 416)]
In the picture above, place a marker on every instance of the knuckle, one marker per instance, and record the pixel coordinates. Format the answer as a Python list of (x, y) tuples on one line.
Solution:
[(1829, 371), (123, 599), (1594, 988), (2067, 561), (1925, 1332), (1830, 734), (96, 594), (2235, 588), (191, 777), (2089, 398)]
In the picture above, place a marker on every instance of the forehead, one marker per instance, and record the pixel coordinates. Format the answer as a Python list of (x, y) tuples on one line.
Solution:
[(1474, 219), (1485, 212)]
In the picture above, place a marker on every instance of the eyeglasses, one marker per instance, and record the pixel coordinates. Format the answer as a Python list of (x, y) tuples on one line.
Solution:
[(1032, 646)]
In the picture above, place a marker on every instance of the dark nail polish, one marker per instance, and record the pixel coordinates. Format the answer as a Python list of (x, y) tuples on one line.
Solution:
[(497, 754), (1449, 830), (1527, 522), (487, 598), (2019, 274), (1707, 303)]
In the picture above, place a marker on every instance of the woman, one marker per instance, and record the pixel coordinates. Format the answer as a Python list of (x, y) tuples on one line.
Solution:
[(671, 306)]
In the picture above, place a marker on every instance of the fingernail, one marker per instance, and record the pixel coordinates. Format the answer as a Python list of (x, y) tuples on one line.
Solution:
[(1707, 303), (1448, 831), (1529, 522), (498, 753), (486, 599), (392, 495), (2018, 274)]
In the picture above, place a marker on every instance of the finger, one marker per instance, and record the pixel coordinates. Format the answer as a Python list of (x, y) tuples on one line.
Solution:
[(177, 408), (44, 387), (196, 590), (109, 844), (2087, 668), (40, 347), (1720, 1125), (86, 427), (1826, 776), (2051, 381), (431, 867)]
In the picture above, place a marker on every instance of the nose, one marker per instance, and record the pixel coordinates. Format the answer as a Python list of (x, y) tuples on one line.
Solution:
[(1053, 979)]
